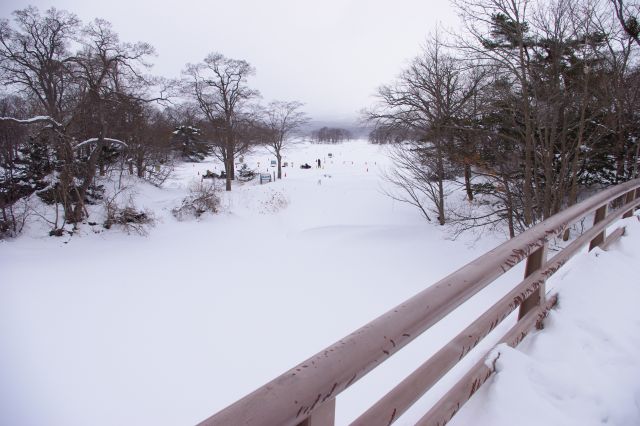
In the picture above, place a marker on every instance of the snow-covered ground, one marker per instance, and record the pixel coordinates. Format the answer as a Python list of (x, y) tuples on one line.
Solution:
[(105, 328), (584, 367)]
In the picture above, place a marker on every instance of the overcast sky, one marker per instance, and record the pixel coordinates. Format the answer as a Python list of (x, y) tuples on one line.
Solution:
[(329, 54)]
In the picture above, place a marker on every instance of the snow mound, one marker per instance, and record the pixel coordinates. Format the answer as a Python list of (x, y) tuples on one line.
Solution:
[(583, 367)]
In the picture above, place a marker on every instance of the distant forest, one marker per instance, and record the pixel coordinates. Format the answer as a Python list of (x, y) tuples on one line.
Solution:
[(331, 135)]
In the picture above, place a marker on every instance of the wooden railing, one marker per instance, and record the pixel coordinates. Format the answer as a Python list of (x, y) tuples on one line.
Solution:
[(305, 395)]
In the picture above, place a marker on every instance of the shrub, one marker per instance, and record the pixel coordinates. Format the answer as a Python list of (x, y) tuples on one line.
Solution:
[(130, 218), (202, 198)]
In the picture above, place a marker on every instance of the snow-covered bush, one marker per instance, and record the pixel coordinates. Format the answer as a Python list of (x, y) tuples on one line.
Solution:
[(13, 218), (202, 198), (274, 203), (130, 218)]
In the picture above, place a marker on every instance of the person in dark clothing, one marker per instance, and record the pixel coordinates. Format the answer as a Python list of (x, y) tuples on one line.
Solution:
[(318, 163)]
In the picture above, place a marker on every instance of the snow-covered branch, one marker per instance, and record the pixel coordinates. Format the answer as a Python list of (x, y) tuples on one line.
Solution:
[(37, 119), (94, 140)]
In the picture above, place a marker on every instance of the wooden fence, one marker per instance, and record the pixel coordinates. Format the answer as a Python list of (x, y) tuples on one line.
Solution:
[(306, 394)]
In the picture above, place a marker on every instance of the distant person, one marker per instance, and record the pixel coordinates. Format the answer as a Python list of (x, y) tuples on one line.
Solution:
[(318, 163)]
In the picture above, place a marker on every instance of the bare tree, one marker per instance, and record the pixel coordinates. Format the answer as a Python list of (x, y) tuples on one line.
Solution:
[(34, 59), (16, 174), (219, 86), (627, 14), (281, 119), (106, 72), (549, 60), (619, 90), (413, 173), (496, 31), (34, 56), (74, 91), (427, 100)]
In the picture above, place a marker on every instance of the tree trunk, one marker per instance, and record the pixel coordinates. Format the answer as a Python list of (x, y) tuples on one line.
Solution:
[(79, 209), (573, 188), (467, 181), (279, 158), (548, 175), (528, 145), (440, 173), (65, 182), (140, 167), (231, 156), (620, 157), (441, 217), (512, 232), (229, 168), (636, 160)]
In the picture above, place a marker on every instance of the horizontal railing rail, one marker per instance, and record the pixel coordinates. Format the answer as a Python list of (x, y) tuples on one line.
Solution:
[(305, 395)]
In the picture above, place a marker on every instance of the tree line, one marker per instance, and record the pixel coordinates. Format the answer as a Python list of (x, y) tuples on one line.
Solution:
[(331, 135), (527, 106), (80, 103)]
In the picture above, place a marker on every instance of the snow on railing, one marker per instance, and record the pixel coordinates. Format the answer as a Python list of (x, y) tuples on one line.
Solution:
[(305, 395)]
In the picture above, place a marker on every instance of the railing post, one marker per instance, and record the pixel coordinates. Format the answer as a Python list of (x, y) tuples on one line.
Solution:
[(325, 415), (601, 213), (631, 195), (535, 261)]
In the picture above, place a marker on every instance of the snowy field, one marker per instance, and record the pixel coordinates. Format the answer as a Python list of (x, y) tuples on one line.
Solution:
[(105, 328)]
